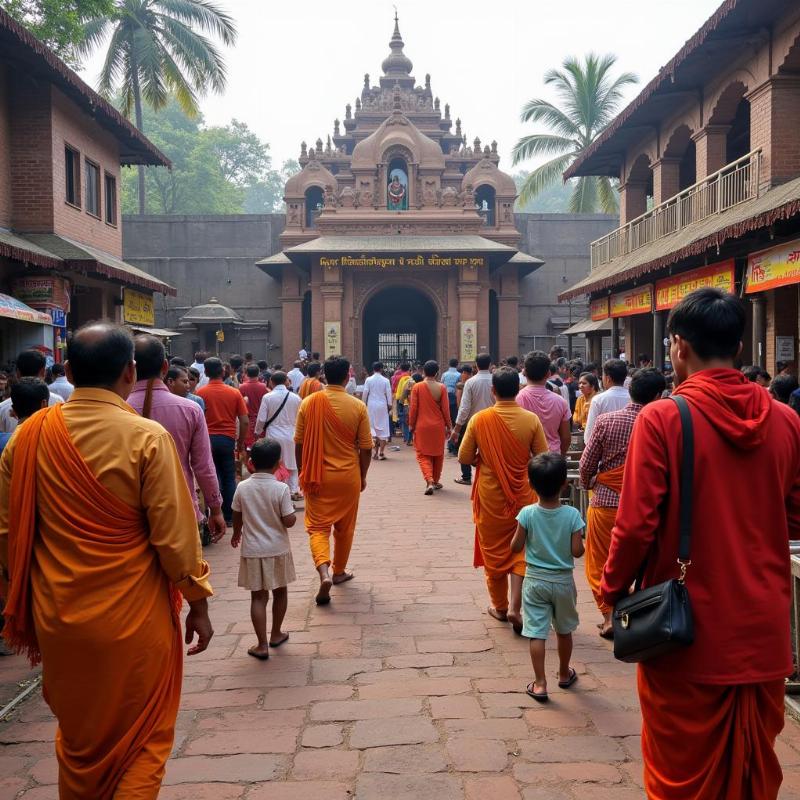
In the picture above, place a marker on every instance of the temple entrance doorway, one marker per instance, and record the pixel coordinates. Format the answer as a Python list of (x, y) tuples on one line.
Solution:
[(399, 325)]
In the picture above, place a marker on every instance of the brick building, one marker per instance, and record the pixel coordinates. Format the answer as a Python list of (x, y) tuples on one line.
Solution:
[(708, 159), (61, 147)]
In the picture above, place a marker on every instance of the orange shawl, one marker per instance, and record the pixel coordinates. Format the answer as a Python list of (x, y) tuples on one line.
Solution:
[(309, 386), (82, 569), (508, 459), (612, 478), (322, 423)]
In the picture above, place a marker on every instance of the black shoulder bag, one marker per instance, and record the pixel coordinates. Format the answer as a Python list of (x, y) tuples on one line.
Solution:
[(275, 415), (654, 621)]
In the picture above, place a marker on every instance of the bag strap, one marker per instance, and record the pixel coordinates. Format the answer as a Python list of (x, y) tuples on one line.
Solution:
[(687, 483), (275, 415)]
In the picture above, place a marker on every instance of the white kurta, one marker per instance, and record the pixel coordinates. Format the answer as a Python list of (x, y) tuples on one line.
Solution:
[(378, 397), (282, 428)]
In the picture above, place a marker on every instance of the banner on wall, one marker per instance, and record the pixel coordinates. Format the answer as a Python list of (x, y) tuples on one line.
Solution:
[(670, 291), (333, 339), (769, 269), (42, 292), (598, 309), (138, 308), (633, 301), (469, 338)]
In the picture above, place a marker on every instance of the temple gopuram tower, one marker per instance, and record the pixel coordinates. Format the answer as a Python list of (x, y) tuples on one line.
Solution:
[(400, 240)]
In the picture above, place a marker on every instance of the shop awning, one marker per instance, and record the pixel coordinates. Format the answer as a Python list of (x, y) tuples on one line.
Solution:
[(11, 308), (161, 333), (588, 326)]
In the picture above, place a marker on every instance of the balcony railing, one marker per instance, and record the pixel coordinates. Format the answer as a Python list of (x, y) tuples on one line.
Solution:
[(735, 183)]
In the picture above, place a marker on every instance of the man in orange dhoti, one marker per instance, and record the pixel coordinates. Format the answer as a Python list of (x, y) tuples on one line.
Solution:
[(98, 541), (429, 421), (501, 440), (602, 469), (333, 443), (312, 383)]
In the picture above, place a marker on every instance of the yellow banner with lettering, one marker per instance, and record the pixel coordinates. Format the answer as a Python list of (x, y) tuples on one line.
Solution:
[(671, 291), (598, 309), (333, 339), (469, 338), (633, 301), (778, 266), (138, 308), (416, 260)]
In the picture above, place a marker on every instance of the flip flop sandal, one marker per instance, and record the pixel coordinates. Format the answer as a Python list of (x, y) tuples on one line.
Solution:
[(429, 491), (348, 576), (540, 697), (438, 486), (517, 629), (323, 597), (279, 643), (259, 656), (500, 616), (573, 676), (381, 458)]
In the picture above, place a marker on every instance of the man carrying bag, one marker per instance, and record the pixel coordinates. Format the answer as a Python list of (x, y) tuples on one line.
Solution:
[(712, 709)]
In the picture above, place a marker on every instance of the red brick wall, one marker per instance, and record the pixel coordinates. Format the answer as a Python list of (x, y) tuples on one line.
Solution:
[(782, 320), (31, 155), (5, 151), (71, 126)]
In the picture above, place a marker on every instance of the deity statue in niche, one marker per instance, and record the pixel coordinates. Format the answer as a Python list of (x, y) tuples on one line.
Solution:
[(397, 189)]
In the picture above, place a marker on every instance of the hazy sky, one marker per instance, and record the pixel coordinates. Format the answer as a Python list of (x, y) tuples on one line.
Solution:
[(298, 62)]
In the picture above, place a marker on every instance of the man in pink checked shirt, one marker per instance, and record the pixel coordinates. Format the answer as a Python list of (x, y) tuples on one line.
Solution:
[(185, 422)]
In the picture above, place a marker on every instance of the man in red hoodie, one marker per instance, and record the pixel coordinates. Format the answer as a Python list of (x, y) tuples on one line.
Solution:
[(712, 711)]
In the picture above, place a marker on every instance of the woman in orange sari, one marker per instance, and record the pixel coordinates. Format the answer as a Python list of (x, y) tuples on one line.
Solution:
[(429, 419), (588, 387)]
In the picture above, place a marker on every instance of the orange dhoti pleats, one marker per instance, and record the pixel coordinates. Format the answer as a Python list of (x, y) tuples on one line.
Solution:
[(430, 466), (109, 636), (500, 490), (599, 524), (708, 742)]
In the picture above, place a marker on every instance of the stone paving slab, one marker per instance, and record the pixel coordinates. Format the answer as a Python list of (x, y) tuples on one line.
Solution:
[(402, 688)]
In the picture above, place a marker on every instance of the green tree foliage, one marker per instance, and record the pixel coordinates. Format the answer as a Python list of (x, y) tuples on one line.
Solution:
[(58, 23), (215, 170), (589, 97), (158, 49), (551, 200)]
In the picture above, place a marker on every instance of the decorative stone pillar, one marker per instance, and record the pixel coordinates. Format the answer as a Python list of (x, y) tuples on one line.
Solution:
[(711, 145), (632, 201), (666, 179), (469, 310), (332, 291)]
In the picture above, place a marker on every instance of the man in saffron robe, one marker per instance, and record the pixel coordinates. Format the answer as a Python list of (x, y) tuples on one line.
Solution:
[(333, 450), (602, 469), (98, 541), (429, 420), (711, 712), (312, 383), (501, 440)]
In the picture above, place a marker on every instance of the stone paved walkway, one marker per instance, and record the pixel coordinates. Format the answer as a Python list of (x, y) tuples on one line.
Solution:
[(403, 688)]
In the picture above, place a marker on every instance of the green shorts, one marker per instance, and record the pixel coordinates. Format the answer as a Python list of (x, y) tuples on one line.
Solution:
[(545, 603)]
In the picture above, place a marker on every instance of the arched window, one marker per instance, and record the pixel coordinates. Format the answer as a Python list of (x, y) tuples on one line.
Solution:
[(485, 202), (314, 201), (397, 185)]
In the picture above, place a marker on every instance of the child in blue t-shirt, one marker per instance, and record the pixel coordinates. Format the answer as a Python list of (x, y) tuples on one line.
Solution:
[(552, 537)]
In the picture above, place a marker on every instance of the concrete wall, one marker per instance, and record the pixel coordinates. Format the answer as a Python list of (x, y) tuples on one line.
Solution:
[(213, 256)]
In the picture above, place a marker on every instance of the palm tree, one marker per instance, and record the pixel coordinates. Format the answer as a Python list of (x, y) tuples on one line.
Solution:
[(589, 97), (158, 48)]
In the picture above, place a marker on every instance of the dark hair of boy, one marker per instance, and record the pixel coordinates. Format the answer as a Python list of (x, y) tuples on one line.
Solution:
[(29, 395), (236, 362), (377, 366), (484, 361), (193, 373), (512, 361), (752, 372), (174, 372), (405, 366), (646, 385), (466, 368), (279, 378), (617, 371), (430, 369), (337, 370), (57, 370), (711, 321), (453, 362), (782, 387), (262, 365), (265, 454), (315, 356), (537, 365), (252, 371), (505, 382), (417, 378), (547, 474), (314, 368), (30, 363), (177, 361), (214, 368)]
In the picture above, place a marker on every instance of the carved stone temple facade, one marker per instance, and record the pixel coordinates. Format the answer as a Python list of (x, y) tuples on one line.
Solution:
[(400, 239)]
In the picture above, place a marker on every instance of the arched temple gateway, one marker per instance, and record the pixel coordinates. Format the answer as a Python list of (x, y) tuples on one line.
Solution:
[(400, 239)]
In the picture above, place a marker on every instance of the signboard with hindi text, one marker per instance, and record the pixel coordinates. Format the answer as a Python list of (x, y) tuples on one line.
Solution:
[(769, 269), (333, 339), (598, 309), (670, 291), (138, 308), (411, 260), (42, 292), (469, 347), (638, 300)]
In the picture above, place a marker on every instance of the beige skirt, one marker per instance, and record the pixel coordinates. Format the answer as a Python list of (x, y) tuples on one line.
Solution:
[(266, 574)]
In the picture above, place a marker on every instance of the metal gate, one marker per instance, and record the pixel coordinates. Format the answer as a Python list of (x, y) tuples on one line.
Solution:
[(395, 348)]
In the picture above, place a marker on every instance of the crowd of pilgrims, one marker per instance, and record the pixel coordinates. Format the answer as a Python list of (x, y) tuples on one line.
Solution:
[(256, 443)]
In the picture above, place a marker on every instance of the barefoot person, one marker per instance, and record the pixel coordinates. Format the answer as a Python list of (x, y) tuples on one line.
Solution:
[(333, 450), (602, 469), (502, 439), (98, 541), (262, 513), (429, 421), (377, 397), (711, 712)]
